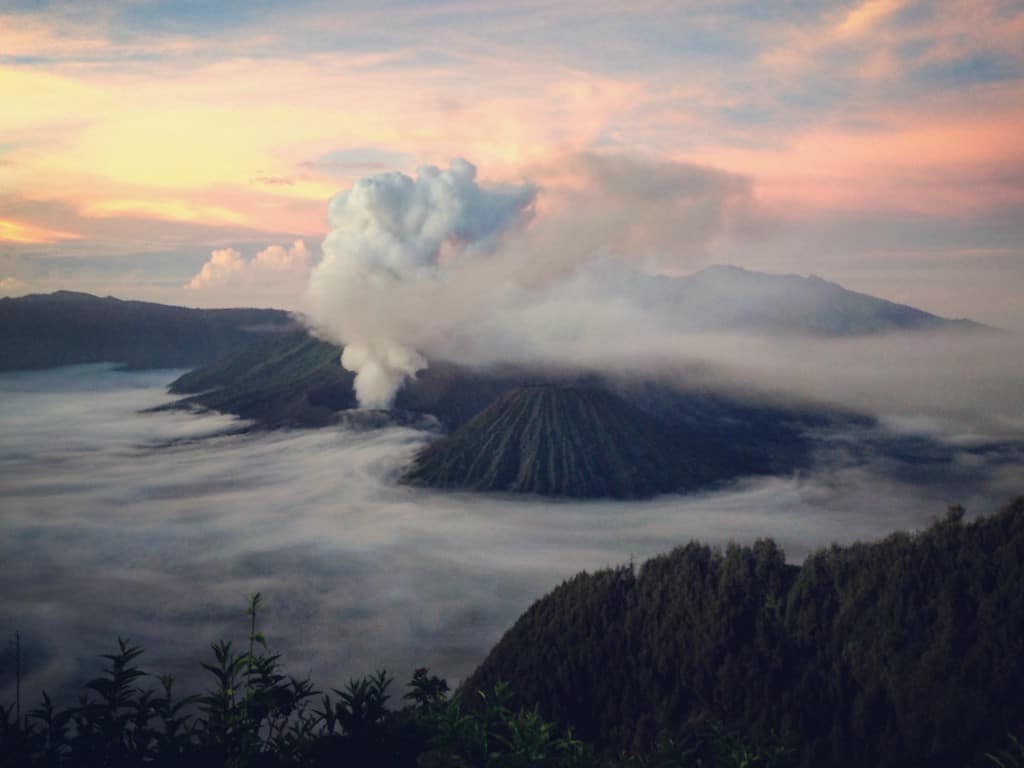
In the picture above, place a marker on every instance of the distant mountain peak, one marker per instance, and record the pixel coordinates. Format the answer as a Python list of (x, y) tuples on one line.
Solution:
[(65, 295), (726, 297), (724, 268), (736, 271)]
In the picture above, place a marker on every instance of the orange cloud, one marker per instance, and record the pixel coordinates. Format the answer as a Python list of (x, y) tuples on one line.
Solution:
[(169, 210), (181, 137), (190, 143), (862, 18), (218, 270), (20, 232), (12, 286)]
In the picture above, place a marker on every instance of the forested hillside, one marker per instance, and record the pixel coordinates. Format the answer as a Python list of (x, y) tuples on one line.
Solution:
[(908, 651)]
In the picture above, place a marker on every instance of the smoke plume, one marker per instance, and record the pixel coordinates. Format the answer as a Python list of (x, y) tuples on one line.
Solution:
[(442, 268), (390, 231)]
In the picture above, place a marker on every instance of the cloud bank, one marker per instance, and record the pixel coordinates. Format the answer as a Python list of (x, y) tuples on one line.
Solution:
[(156, 526), (276, 275)]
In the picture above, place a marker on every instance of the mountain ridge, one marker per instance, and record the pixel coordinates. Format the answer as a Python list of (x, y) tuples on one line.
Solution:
[(726, 297), (70, 327), (262, 366)]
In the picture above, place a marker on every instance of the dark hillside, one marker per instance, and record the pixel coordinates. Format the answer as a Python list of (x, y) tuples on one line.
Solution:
[(288, 379), (269, 381), (904, 652), (455, 394), (563, 441), (66, 328)]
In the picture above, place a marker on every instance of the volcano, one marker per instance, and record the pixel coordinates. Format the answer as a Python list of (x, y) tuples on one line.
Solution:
[(565, 441)]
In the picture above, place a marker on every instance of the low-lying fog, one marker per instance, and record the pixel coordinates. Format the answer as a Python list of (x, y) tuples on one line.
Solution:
[(157, 526)]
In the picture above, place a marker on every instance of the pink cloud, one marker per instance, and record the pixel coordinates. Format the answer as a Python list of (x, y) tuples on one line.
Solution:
[(275, 276), (947, 163), (223, 264), (277, 258)]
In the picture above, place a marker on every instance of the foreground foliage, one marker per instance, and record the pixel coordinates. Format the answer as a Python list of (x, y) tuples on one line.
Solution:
[(906, 652), (254, 715)]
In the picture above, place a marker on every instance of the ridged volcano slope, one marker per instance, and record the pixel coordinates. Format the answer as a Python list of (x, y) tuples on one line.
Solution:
[(561, 441)]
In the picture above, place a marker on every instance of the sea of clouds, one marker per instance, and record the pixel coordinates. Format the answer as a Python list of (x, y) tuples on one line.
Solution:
[(157, 526)]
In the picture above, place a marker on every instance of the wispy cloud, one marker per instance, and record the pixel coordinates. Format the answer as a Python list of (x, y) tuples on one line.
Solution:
[(18, 232)]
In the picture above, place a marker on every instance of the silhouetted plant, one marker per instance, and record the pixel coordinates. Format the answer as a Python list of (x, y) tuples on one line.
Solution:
[(54, 729), (494, 735), (174, 736), (1010, 757), (428, 691), (111, 728)]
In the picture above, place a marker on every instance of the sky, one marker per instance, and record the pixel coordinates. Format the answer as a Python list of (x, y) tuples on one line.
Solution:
[(186, 152)]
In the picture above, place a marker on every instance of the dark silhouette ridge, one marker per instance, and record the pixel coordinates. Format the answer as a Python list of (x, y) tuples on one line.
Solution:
[(68, 328)]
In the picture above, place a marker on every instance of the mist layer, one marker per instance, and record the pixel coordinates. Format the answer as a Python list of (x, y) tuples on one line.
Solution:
[(156, 526)]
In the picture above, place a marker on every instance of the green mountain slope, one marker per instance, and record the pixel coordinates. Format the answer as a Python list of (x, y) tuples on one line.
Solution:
[(562, 441), (289, 379), (903, 652), (66, 328), (559, 440), (296, 379)]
